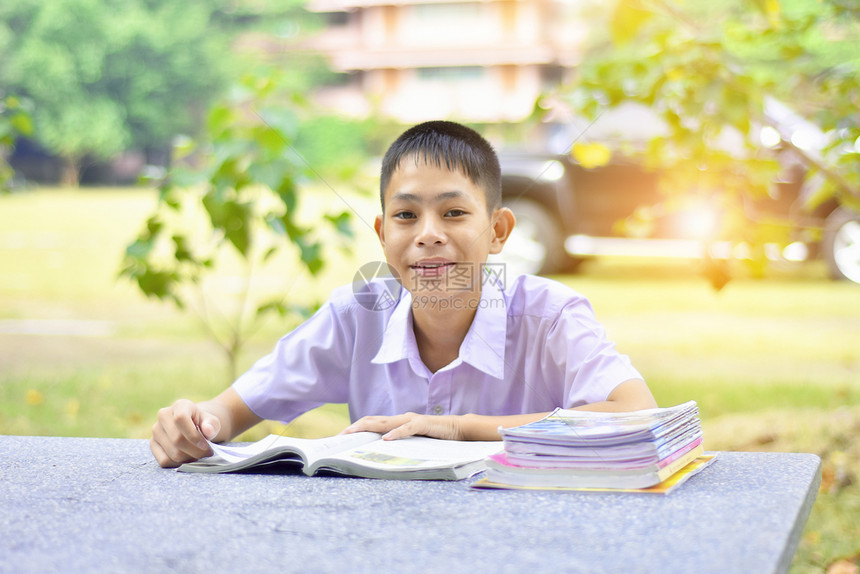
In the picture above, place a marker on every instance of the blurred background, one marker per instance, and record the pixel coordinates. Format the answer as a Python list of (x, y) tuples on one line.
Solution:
[(182, 183)]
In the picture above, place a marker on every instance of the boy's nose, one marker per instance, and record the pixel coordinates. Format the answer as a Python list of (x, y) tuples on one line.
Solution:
[(430, 233)]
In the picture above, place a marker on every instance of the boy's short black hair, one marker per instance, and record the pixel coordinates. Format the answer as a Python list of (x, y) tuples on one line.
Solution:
[(450, 144)]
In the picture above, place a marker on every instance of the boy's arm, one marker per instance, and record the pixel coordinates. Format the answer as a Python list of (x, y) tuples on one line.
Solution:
[(630, 395), (178, 434)]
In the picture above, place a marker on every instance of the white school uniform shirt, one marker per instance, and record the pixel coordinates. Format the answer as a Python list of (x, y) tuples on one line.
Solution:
[(533, 346)]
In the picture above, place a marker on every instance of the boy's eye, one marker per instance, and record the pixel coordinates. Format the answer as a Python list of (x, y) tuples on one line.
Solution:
[(404, 215), (455, 212)]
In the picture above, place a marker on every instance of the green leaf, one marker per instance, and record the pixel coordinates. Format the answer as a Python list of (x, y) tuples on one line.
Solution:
[(277, 306), (791, 52), (284, 309), (169, 195), (7, 134), (269, 174), (287, 193), (22, 123), (295, 232), (342, 223), (270, 139), (311, 254), (270, 252), (182, 250), (157, 283), (139, 249), (153, 226), (230, 173), (183, 146), (220, 119), (237, 225), (275, 223), (281, 121)]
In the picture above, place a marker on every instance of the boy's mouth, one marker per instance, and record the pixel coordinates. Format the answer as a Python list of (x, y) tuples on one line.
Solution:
[(432, 267)]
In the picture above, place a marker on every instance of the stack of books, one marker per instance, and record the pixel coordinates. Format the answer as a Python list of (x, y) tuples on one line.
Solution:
[(607, 451)]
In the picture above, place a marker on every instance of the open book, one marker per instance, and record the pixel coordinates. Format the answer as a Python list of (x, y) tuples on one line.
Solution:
[(362, 454)]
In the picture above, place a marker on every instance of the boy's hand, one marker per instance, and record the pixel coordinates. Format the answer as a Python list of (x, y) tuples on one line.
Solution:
[(178, 435), (409, 424)]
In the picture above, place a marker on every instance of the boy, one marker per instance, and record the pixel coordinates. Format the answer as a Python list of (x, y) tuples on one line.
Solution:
[(452, 354)]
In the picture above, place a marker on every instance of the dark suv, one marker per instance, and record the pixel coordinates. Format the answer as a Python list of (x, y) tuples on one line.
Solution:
[(567, 213)]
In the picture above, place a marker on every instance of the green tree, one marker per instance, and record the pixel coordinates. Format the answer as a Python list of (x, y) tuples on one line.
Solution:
[(15, 121), (706, 71), (239, 202), (106, 75)]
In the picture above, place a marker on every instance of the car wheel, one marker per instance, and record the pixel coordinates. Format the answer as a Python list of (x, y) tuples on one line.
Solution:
[(536, 245), (841, 244)]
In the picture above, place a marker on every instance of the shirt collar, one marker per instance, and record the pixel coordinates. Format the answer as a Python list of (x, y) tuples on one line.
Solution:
[(398, 339), (484, 345), (485, 342)]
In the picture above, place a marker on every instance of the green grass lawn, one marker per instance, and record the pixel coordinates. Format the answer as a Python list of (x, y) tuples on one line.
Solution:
[(774, 364)]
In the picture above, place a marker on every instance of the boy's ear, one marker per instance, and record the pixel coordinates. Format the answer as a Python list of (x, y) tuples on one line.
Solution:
[(503, 223), (377, 226)]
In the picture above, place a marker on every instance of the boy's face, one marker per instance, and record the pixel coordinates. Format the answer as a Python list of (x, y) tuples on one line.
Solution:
[(436, 232)]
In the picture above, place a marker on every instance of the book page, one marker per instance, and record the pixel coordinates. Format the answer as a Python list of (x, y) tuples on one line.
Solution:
[(417, 452), (570, 426), (312, 448)]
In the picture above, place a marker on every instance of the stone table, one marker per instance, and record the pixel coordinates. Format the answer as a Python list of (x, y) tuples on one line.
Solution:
[(104, 505)]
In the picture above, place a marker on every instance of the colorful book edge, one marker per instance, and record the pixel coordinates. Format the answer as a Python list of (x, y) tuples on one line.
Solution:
[(665, 487)]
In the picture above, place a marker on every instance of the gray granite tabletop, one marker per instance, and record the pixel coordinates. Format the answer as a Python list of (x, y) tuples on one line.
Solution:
[(104, 505)]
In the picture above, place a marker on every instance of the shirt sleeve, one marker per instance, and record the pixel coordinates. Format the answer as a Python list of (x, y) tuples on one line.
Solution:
[(307, 368), (589, 363)]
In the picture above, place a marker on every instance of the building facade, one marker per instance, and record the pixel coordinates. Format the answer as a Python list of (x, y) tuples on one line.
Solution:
[(482, 61)]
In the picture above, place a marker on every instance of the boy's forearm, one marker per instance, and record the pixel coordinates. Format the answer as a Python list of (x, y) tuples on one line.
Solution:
[(632, 395), (628, 396), (481, 427)]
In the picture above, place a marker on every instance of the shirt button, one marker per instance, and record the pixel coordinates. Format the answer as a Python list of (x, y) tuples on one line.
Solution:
[(437, 410)]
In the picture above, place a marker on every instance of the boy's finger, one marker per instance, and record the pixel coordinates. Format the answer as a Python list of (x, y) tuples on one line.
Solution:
[(413, 425), (161, 457), (402, 431), (373, 424), (186, 417), (209, 426), (178, 435), (168, 452)]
